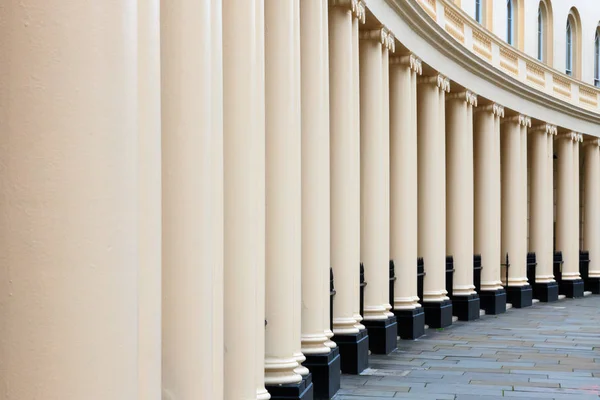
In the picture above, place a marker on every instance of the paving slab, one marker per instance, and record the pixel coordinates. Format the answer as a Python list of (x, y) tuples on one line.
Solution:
[(546, 351)]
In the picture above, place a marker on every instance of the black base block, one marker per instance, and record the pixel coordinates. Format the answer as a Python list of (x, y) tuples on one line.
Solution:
[(411, 323), (383, 335), (493, 301), (571, 289), (546, 292), (326, 373), (354, 351), (519, 296), (592, 285), (466, 308), (438, 314), (295, 391)]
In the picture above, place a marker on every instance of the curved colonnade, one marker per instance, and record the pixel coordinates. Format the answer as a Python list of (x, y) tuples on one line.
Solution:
[(413, 169)]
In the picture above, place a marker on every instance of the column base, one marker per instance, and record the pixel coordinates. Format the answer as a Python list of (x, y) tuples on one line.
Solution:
[(572, 288), (295, 391), (466, 308), (520, 296), (493, 301), (438, 314), (546, 292), (383, 335), (592, 285), (354, 351), (411, 323), (325, 370)]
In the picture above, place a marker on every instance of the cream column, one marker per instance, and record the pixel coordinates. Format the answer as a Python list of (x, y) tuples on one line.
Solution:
[(192, 145), (283, 191), (524, 199), (567, 237), (69, 238), (359, 17), (344, 151), (486, 146), (372, 191), (432, 189), (575, 227), (315, 180), (403, 178), (591, 226), (149, 221), (541, 238), (460, 189), (244, 202)]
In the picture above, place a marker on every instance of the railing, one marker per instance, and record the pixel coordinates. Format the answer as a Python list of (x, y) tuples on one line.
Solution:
[(477, 267), (449, 275), (363, 283), (508, 59), (420, 278), (392, 280), (531, 267)]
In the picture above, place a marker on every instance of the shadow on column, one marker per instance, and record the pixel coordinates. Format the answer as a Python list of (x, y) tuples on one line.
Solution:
[(590, 284), (569, 288), (491, 301), (354, 347), (543, 291), (325, 368), (410, 323), (383, 334)]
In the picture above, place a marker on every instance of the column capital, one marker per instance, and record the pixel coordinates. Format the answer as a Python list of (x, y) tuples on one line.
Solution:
[(390, 40), (439, 80), (469, 97), (548, 129), (495, 108), (573, 136), (383, 35), (413, 62), (592, 142), (357, 7), (521, 120)]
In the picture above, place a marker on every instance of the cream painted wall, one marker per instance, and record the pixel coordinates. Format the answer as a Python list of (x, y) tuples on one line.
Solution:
[(589, 11)]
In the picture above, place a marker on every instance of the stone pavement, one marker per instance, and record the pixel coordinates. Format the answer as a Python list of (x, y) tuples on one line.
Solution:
[(547, 351)]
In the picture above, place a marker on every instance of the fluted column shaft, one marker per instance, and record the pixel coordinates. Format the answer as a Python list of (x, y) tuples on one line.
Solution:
[(69, 240), (432, 186), (315, 179), (591, 227), (283, 190), (345, 172), (512, 209), (460, 189), (244, 201), (540, 237), (523, 231), (487, 193), (567, 212), (372, 190), (403, 178)]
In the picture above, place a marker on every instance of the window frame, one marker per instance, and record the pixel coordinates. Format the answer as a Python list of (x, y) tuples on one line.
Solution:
[(510, 22), (569, 48)]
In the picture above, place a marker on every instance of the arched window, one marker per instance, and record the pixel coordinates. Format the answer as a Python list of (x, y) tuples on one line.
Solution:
[(540, 35), (478, 13), (597, 58), (509, 22), (569, 49), (573, 44)]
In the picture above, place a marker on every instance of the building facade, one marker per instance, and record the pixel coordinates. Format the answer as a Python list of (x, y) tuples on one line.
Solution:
[(242, 199)]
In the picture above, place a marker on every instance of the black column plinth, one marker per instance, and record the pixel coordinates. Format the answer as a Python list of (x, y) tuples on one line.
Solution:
[(383, 335), (411, 323), (438, 314), (519, 296), (546, 292), (325, 370), (493, 301), (466, 308), (592, 285), (294, 391), (354, 351), (571, 288)]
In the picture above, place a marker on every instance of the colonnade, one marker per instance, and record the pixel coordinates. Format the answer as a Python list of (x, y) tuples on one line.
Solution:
[(173, 226)]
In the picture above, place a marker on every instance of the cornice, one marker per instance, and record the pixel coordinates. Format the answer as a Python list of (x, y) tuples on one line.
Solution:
[(423, 29)]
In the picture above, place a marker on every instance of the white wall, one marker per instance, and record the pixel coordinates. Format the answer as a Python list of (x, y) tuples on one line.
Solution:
[(589, 11)]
